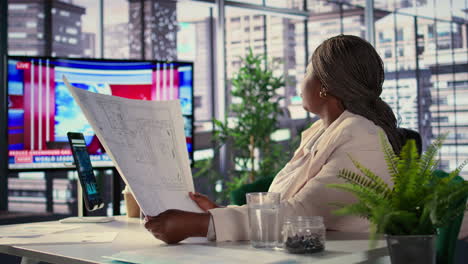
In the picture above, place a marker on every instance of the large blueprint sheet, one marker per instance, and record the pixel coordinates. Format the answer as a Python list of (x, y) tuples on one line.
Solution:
[(146, 142)]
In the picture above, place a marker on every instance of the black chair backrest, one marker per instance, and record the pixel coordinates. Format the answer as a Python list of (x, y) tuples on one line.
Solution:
[(411, 134)]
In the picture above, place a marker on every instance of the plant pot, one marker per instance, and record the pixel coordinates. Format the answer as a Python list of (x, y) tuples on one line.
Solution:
[(412, 249)]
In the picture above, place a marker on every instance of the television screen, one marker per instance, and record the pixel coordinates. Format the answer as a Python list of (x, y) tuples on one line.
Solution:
[(41, 110)]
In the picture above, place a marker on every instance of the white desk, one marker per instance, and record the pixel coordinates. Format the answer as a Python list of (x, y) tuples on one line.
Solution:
[(340, 248)]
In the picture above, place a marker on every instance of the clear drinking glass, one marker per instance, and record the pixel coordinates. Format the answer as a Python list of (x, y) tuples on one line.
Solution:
[(264, 213)]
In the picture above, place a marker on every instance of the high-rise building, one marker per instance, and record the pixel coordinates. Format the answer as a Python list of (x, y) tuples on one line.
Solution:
[(202, 91), (328, 20), (26, 30), (449, 93), (88, 43), (160, 29), (397, 48), (277, 41), (426, 76), (428, 70), (116, 44), (324, 6), (66, 29), (393, 4)]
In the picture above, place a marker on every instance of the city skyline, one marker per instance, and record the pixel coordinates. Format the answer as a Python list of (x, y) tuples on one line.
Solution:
[(421, 101)]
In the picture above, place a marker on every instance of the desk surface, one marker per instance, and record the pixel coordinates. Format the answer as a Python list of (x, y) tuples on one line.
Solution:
[(340, 248)]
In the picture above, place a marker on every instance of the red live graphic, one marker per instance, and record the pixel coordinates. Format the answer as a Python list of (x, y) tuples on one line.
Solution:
[(23, 65)]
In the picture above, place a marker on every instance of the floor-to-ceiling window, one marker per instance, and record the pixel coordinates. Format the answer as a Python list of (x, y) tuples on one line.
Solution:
[(424, 48), (104, 29), (423, 44), (275, 30), (331, 18)]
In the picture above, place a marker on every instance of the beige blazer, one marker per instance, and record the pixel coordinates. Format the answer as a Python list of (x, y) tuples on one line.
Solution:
[(303, 190)]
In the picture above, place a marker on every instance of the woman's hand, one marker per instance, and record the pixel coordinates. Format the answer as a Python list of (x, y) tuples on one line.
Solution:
[(202, 201), (173, 226)]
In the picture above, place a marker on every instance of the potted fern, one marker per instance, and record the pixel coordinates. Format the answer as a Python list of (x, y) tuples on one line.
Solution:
[(409, 212)]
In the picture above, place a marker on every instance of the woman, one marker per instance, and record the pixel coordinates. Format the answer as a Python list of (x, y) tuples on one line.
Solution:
[(342, 86)]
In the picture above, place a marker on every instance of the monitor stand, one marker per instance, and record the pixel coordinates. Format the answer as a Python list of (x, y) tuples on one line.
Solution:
[(80, 199), (85, 219)]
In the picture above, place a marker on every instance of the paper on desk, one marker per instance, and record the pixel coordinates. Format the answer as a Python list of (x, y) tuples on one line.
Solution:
[(146, 141), (72, 238), (33, 230), (197, 254)]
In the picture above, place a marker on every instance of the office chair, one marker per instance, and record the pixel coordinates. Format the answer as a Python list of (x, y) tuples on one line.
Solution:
[(407, 134)]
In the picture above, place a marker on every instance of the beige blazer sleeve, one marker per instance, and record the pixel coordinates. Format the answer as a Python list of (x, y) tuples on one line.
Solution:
[(308, 195)]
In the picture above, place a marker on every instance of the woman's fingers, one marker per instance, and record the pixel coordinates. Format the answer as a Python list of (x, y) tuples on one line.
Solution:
[(192, 195), (153, 224), (196, 196), (172, 226), (202, 201)]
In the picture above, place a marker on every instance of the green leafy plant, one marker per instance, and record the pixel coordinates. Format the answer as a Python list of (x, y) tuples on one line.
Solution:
[(418, 202), (247, 129), (255, 110)]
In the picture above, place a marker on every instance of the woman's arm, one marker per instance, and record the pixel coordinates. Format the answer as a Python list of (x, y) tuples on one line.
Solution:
[(313, 198), (232, 223), (173, 226)]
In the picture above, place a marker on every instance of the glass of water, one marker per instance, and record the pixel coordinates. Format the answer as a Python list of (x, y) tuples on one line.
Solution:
[(264, 213)]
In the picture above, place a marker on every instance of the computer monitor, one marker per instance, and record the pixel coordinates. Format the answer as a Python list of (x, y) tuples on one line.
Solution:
[(41, 110)]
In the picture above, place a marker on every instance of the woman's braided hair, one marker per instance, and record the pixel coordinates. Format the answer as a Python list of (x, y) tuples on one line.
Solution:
[(350, 69)]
